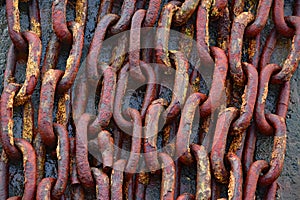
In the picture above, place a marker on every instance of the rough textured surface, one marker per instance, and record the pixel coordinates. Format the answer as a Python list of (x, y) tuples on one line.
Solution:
[(289, 181)]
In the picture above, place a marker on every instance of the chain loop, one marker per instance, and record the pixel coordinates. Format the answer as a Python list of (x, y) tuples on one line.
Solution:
[(82, 163), (73, 60), (45, 119), (13, 22), (219, 143), (59, 22), (278, 152), (32, 68), (62, 151), (235, 46), (7, 122), (216, 94), (279, 21), (188, 114), (29, 165), (152, 125), (263, 86), (202, 32), (51, 187), (291, 63), (124, 124), (252, 177), (105, 106), (134, 45), (94, 51), (248, 101), (163, 33), (180, 88)]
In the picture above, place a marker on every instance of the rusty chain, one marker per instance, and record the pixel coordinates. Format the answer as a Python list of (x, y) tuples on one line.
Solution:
[(236, 100)]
